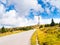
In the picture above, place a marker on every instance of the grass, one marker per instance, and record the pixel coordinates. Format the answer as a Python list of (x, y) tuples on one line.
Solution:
[(33, 39), (47, 36), (9, 33), (40, 36)]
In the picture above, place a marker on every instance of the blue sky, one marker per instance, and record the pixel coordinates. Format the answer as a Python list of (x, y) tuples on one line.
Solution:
[(53, 14), (24, 12)]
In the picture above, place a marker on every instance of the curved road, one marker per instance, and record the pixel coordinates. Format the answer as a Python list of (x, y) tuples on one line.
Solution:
[(17, 39)]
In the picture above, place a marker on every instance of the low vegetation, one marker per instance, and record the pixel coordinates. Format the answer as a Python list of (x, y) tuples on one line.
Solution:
[(33, 39), (48, 34), (7, 31)]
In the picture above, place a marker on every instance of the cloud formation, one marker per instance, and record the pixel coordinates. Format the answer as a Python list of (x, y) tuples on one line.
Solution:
[(10, 19), (24, 6), (51, 7), (16, 17)]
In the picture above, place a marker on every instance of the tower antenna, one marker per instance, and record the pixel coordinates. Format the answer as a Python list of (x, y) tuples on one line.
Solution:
[(38, 19)]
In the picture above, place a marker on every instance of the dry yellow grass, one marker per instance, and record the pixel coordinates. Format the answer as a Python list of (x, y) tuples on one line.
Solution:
[(47, 36), (33, 39), (9, 33), (40, 36)]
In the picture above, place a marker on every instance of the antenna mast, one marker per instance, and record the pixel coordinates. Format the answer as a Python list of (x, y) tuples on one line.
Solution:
[(38, 19)]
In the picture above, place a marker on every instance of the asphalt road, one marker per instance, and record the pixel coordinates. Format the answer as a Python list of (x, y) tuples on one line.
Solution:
[(17, 39)]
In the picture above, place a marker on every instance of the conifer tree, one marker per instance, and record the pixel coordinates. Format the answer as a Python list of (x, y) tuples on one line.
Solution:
[(3, 30), (52, 23)]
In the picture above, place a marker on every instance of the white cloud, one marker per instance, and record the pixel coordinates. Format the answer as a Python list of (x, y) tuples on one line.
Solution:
[(56, 20), (3, 1), (23, 6), (55, 3), (9, 19), (2, 10), (47, 10)]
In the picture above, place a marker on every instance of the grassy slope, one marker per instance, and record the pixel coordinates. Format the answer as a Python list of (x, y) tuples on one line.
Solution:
[(47, 36), (33, 39)]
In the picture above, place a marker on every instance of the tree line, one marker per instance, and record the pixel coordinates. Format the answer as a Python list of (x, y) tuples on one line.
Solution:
[(3, 29), (51, 24)]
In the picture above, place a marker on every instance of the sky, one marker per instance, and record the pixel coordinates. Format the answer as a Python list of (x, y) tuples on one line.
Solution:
[(16, 13)]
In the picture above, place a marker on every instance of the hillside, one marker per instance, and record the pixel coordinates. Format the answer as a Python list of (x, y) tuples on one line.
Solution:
[(48, 35)]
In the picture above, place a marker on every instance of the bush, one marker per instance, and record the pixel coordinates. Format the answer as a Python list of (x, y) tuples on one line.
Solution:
[(58, 36), (47, 25), (40, 26), (59, 24), (11, 30), (45, 43), (25, 28)]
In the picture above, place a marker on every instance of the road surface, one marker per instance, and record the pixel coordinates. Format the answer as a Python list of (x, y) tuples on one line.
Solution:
[(17, 39)]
